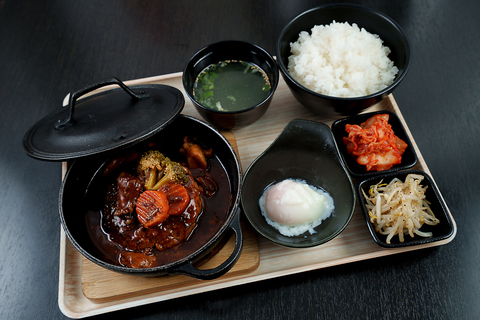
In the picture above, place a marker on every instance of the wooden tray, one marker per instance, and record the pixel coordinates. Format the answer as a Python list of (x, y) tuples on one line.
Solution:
[(353, 244)]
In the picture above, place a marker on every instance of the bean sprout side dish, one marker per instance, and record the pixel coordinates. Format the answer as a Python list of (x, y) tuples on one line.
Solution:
[(400, 208)]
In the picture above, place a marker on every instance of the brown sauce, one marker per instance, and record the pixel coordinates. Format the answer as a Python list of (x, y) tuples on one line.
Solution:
[(122, 240)]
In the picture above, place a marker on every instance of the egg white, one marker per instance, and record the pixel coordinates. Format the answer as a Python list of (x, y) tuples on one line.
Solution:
[(293, 207)]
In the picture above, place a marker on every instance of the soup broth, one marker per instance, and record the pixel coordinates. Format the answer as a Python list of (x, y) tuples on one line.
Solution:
[(231, 85)]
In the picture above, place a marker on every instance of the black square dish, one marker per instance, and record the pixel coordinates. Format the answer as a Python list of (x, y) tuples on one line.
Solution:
[(409, 158), (441, 231)]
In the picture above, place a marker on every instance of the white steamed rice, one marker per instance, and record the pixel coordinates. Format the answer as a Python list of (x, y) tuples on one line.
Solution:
[(341, 60)]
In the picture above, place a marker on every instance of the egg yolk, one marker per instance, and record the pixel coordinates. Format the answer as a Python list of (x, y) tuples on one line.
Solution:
[(293, 203)]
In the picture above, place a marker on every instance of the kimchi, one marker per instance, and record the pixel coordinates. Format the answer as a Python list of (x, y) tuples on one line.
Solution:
[(373, 143)]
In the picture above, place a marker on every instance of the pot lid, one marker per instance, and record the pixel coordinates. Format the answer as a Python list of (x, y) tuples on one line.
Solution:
[(111, 120)]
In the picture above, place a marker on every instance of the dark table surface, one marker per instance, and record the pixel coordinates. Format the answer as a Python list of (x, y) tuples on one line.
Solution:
[(48, 48)]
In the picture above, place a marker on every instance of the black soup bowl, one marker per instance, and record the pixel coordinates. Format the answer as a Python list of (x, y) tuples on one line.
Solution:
[(371, 20), (82, 196), (231, 50)]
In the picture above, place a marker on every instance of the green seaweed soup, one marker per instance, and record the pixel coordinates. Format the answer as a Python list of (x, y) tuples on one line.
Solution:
[(231, 85)]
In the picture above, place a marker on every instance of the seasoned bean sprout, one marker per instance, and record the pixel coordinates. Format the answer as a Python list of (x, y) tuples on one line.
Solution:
[(400, 208)]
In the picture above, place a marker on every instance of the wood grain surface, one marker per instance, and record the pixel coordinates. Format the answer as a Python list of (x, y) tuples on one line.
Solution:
[(100, 285), (98, 290)]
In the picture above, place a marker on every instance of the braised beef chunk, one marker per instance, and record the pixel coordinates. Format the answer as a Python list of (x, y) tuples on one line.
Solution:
[(129, 188), (137, 259), (141, 245), (127, 241)]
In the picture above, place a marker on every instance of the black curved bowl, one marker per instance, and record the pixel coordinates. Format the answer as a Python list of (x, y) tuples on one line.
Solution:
[(80, 194), (442, 231), (374, 22), (304, 150), (234, 50), (409, 157)]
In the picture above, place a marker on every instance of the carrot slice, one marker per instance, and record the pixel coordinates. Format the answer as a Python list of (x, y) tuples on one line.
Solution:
[(178, 197), (152, 208)]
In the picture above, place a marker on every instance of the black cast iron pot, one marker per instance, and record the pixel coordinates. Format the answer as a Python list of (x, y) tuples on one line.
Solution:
[(81, 194)]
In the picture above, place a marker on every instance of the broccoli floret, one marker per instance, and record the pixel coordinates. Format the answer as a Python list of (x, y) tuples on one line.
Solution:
[(149, 160), (150, 165), (159, 170), (173, 172)]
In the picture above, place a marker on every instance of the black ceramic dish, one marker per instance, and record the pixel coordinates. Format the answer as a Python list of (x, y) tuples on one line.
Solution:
[(441, 231), (305, 150), (409, 158), (374, 22), (231, 50)]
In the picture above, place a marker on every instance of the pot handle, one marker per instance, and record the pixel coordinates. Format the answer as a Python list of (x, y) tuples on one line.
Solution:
[(62, 124), (210, 274)]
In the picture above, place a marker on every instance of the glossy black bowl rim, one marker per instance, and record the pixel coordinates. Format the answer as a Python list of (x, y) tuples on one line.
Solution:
[(204, 51), (382, 92)]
